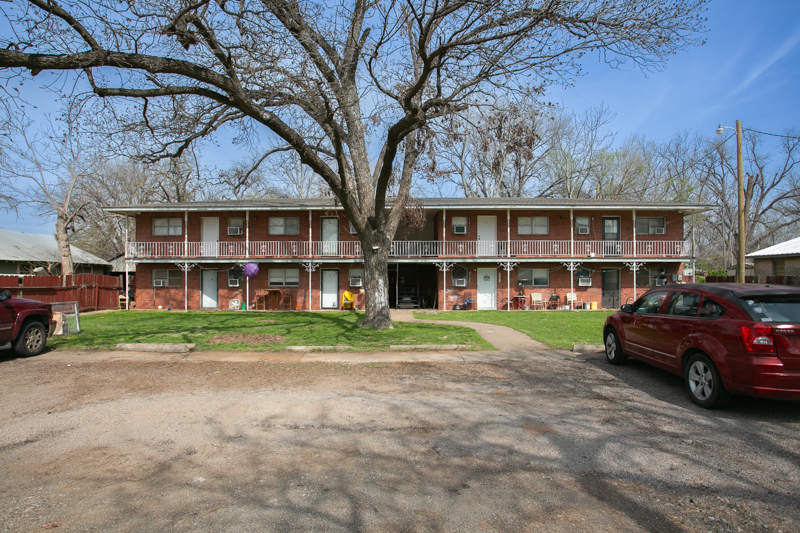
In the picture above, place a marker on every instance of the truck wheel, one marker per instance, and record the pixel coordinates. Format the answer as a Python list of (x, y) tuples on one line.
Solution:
[(31, 340)]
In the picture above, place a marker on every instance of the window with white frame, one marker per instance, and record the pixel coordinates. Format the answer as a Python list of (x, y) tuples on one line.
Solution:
[(164, 227), (167, 278), (236, 226), (533, 226), (284, 277), (534, 277), (582, 226), (650, 226), (646, 277), (235, 277), (460, 225), (353, 229), (284, 226), (356, 277), (459, 276)]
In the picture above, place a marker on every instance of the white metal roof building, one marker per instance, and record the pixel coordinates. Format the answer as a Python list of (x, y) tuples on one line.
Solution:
[(19, 251)]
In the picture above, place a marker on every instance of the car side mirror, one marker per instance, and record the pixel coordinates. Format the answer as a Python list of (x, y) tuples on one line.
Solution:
[(626, 309), (4, 295)]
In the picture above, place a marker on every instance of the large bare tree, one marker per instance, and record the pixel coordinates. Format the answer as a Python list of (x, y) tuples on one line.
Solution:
[(350, 85)]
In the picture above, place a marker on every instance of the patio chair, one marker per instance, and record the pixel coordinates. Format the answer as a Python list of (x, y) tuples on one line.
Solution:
[(573, 300), (347, 301), (537, 301)]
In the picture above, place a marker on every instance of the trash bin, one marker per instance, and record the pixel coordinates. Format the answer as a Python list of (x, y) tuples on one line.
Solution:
[(594, 305), (244, 306), (587, 305)]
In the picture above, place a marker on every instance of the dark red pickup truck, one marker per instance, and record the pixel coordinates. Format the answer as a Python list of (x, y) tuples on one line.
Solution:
[(24, 324)]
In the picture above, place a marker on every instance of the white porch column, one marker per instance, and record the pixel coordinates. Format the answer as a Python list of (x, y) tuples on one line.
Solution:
[(508, 232), (125, 258), (634, 241), (247, 244)]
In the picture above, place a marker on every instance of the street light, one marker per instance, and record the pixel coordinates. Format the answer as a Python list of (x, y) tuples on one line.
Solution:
[(740, 176)]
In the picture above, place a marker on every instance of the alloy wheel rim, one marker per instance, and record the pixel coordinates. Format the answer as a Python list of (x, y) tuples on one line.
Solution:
[(33, 340), (701, 381), (611, 346)]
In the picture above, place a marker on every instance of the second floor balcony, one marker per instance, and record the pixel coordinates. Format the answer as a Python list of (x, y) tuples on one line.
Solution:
[(408, 249)]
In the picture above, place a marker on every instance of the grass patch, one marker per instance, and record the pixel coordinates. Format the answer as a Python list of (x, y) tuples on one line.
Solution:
[(557, 329), (105, 331)]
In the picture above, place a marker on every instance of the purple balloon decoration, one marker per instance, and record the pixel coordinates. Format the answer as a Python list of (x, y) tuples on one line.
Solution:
[(250, 270)]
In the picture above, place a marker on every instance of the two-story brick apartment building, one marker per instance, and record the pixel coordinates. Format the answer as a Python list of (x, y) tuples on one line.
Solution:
[(471, 253)]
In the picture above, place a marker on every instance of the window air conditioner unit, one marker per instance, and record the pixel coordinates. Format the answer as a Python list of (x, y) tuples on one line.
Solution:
[(233, 283), (460, 230), (460, 282), (584, 282), (235, 230), (159, 282), (660, 231), (356, 282), (583, 230)]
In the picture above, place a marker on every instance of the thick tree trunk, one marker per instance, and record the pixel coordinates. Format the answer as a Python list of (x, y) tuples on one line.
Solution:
[(63, 247), (376, 280)]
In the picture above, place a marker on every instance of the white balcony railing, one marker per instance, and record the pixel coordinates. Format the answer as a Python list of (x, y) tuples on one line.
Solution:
[(410, 249)]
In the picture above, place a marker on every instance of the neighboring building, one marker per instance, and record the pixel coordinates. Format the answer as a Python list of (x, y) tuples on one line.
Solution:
[(21, 253), (308, 250), (780, 260)]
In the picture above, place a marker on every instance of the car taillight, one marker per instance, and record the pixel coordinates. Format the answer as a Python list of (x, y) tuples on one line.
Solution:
[(758, 338)]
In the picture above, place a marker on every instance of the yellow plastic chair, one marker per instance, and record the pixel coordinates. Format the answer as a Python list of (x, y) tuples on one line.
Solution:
[(347, 301)]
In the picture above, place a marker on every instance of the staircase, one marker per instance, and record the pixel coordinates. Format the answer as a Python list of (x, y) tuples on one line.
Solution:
[(407, 286)]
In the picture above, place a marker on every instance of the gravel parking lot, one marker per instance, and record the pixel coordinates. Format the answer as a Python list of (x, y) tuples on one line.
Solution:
[(552, 444)]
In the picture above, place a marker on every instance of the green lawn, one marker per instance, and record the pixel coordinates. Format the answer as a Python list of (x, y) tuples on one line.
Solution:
[(104, 331), (559, 329)]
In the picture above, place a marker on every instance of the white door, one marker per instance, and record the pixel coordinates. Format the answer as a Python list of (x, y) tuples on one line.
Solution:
[(209, 289), (330, 289), (330, 236), (487, 236), (209, 234), (487, 288)]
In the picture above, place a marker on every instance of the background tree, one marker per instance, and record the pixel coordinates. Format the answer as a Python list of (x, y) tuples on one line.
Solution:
[(494, 152), (42, 167), (347, 85)]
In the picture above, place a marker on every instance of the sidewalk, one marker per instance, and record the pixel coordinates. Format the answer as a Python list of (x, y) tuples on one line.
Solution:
[(509, 344)]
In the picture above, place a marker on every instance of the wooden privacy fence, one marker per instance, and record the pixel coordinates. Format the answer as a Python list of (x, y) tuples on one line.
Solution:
[(91, 291)]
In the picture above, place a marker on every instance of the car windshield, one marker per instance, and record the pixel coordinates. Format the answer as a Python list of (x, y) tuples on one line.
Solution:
[(783, 308)]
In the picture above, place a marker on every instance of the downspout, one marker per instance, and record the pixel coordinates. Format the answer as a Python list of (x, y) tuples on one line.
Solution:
[(247, 256), (185, 258), (444, 254), (634, 257), (694, 262)]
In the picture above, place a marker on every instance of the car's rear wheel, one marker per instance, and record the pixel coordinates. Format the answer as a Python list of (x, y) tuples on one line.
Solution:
[(614, 352), (704, 383), (31, 340)]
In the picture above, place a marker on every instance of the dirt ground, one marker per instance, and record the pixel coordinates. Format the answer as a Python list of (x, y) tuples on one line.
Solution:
[(551, 444)]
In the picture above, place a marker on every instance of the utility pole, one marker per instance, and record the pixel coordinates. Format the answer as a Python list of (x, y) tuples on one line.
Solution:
[(742, 229)]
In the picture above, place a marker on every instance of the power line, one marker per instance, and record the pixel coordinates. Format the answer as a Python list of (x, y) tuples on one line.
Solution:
[(771, 134)]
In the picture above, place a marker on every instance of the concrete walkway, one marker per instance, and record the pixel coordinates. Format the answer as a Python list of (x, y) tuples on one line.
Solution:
[(509, 344)]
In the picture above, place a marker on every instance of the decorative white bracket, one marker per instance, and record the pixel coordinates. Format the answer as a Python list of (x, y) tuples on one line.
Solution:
[(444, 267)]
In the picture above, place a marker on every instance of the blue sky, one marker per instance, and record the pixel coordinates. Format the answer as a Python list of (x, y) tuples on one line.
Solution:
[(749, 69)]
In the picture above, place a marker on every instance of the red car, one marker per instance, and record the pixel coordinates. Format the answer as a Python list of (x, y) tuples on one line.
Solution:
[(723, 338), (24, 324)]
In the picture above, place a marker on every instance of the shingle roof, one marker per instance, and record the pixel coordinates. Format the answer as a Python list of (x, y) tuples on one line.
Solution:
[(790, 247), (431, 203), (18, 246)]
